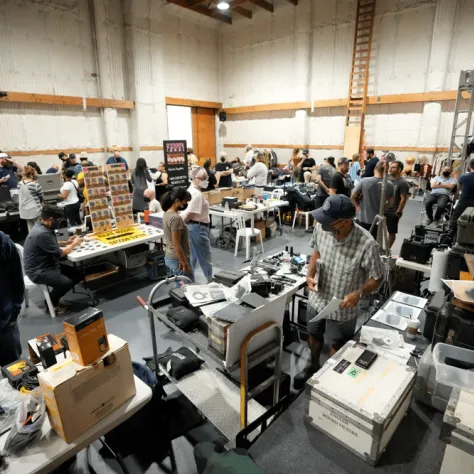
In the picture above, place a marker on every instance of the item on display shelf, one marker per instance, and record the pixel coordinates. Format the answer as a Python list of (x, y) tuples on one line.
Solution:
[(427, 390), (120, 236), (178, 296), (454, 366), (261, 285), (410, 300), (383, 338), (454, 325), (10, 398), (86, 336), (228, 277), (268, 268), (17, 370), (366, 359), (360, 409), (232, 202), (27, 423), (46, 353), (217, 331), (78, 397), (156, 219), (415, 251), (434, 304), (394, 320), (232, 312), (184, 318), (457, 431), (180, 362), (400, 309), (199, 295), (465, 235)]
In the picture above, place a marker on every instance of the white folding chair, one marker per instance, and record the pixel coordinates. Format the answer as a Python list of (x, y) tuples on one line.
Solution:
[(29, 285), (246, 233), (300, 214)]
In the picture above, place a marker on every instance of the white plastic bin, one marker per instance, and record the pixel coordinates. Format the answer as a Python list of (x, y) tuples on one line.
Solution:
[(452, 376)]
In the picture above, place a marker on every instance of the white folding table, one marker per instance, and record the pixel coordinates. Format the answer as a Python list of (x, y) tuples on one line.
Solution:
[(49, 452)]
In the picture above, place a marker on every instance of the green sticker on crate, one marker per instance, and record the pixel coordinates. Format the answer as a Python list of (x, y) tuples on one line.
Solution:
[(353, 372)]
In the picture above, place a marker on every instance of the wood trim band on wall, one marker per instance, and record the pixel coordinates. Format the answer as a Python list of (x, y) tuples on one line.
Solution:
[(51, 99), (416, 149), (193, 103), (277, 145), (372, 100), (15, 153)]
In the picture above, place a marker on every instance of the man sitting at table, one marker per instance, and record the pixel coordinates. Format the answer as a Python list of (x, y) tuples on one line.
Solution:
[(42, 254), (345, 264)]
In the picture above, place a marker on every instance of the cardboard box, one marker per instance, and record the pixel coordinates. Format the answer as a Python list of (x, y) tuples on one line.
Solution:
[(262, 225), (86, 336), (243, 193), (213, 197), (78, 397), (226, 192)]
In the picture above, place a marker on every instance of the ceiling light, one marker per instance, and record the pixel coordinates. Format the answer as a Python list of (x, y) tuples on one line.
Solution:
[(222, 5)]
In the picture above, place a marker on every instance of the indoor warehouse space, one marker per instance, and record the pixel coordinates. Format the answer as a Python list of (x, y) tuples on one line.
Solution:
[(236, 236)]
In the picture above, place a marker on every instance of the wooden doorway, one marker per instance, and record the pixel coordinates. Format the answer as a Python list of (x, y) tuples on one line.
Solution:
[(204, 133)]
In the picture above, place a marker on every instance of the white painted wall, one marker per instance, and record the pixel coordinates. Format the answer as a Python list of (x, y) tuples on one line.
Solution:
[(146, 51), (268, 60)]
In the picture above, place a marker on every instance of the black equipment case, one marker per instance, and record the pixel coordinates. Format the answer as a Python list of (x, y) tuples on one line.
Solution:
[(466, 227), (456, 261), (455, 326)]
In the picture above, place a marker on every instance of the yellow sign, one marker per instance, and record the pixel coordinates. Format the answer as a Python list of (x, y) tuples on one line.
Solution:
[(120, 236)]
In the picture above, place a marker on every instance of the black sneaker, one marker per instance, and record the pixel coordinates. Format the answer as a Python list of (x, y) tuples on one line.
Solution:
[(301, 378)]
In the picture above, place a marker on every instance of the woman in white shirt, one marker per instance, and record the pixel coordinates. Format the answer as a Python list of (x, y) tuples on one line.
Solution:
[(259, 171), (71, 204)]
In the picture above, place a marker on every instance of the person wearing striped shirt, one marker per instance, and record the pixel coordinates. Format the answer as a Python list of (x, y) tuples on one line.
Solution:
[(30, 195)]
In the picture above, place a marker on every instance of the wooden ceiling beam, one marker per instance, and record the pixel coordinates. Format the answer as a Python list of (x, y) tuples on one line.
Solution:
[(203, 11), (242, 11), (294, 2), (263, 4), (193, 3)]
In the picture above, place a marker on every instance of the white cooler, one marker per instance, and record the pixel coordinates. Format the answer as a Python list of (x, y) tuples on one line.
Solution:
[(458, 432), (358, 408)]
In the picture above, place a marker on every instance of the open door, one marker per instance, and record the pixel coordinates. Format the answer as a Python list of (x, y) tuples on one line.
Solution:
[(204, 134)]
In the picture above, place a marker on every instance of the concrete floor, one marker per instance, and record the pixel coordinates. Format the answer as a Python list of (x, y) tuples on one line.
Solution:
[(125, 318)]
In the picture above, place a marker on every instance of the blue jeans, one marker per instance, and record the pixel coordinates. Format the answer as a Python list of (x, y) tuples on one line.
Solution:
[(200, 248), (173, 265)]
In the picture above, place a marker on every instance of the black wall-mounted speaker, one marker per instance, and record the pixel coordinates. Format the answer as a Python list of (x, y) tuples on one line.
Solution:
[(222, 115)]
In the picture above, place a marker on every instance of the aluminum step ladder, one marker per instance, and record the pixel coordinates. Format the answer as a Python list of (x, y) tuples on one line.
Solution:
[(462, 123)]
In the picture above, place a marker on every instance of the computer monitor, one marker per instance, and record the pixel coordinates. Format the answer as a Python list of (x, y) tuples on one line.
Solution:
[(51, 184)]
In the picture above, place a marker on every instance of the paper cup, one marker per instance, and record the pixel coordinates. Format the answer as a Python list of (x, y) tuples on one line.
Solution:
[(412, 328)]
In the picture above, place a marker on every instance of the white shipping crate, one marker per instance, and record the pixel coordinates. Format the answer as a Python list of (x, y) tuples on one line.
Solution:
[(358, 408), (458, 423)]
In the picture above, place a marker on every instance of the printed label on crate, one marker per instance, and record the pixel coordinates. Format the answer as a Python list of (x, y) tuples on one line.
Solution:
[(354, 372), (120, 236), (342, 366)]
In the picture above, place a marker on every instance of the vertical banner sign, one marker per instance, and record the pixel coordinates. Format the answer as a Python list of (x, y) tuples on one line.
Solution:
[(176, 162)]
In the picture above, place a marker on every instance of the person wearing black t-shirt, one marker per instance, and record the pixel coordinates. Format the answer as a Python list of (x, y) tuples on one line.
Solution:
[(305, 166), (341, 182), (224, 172), (372, 160)]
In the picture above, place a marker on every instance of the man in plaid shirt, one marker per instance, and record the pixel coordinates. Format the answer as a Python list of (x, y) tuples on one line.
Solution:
[(345, 264)]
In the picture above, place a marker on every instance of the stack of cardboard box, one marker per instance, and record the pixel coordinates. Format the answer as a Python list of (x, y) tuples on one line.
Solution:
[(92, 382)]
